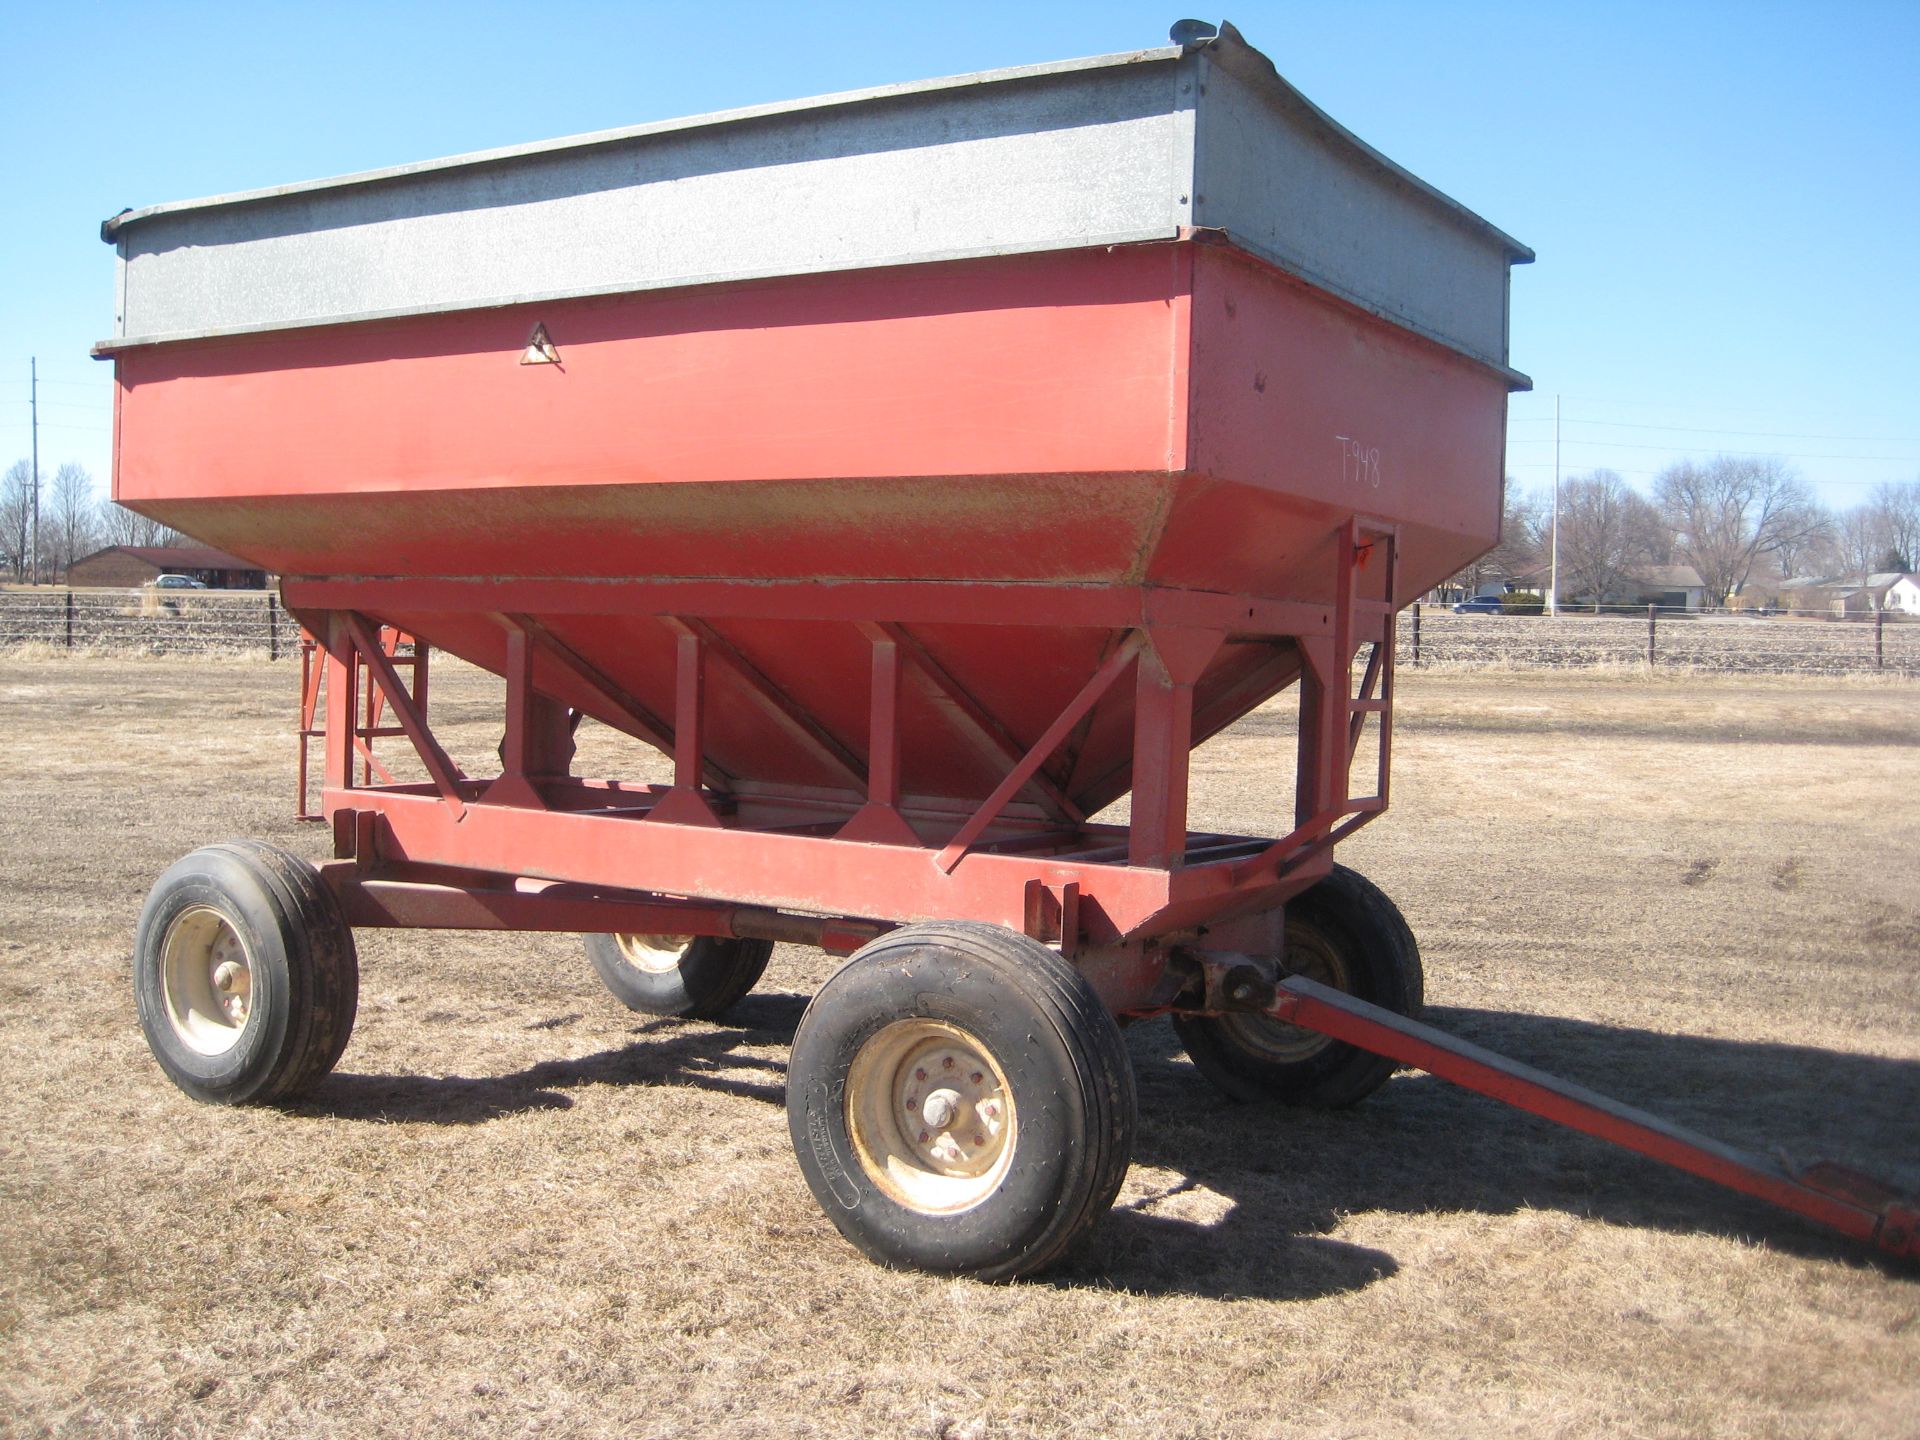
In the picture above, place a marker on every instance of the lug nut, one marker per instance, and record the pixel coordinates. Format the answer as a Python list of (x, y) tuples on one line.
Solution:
[(941, 1107)]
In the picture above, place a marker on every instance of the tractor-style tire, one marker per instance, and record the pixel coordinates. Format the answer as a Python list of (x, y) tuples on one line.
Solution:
[(689, 977), (961, 1101), (244, 974), (1344, 932)]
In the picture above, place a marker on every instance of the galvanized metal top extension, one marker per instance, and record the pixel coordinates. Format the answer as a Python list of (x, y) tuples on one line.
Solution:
[(1115, 149)]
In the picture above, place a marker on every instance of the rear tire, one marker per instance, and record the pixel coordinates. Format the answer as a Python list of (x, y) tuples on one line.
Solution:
[(1343, 932), (689, 977), (245, 975), (960, 1101)]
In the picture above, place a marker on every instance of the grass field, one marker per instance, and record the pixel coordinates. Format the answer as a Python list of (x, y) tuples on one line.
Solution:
[(518, 1209)]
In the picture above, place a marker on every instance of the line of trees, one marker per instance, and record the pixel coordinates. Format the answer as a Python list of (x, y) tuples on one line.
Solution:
[(73, 522), (1739, 521)]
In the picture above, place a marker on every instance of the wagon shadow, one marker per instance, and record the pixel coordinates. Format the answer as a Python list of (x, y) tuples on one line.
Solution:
[(1249, 1193), (664, 1052), (1258, 1187)]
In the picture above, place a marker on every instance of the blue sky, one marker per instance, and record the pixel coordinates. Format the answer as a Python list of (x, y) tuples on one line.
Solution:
[(1725, 198)]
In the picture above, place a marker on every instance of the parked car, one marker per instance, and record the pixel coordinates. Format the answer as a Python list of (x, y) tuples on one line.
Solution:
[(179, 582), (1480, 605)]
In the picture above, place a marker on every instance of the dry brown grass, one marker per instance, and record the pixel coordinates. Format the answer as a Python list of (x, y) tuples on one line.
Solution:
[(520, 1210)]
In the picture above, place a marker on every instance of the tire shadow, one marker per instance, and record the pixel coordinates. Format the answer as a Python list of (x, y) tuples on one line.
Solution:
[(708, 1055)]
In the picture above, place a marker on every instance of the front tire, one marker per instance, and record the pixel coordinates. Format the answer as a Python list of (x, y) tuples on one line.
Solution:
[(244, 973), (960, 1101), (688, 977), (1343, 932)]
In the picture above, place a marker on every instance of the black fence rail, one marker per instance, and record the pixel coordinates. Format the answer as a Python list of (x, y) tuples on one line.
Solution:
[(1735, 644), (194, 622), (147, 621)]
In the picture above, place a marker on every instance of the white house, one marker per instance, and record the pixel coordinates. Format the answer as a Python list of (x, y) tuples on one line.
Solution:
[(1902, 597)]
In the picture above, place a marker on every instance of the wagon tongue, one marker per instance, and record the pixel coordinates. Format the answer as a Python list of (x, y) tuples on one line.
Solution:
[(1828, 1193)]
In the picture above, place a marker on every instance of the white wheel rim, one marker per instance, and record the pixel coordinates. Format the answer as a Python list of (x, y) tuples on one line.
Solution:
[(931, 1116), (206, 975), (655, 954)]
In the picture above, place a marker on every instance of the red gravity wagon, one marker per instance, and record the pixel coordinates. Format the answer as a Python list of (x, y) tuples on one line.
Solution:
[(924, 470)]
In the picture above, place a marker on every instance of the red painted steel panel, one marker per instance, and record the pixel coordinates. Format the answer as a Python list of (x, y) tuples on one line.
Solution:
[(1046, 364), (1311, 410), (1163, 415)]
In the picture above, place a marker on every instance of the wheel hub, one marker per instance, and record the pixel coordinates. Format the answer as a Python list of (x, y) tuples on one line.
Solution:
[(207, 980), (655, 954), (931, 1115)]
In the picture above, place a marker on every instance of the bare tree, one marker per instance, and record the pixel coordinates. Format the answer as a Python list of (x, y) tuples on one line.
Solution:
[(74, 515), (16, 517), (1897, 506), (1518, 548), (1608, 530), (1523, 532), (1727, 513), (121, 526), (1858, 539), (1808, 553)]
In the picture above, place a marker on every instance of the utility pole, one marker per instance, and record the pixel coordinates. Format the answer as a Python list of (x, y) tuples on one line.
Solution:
[(1553, 565), (34, 394)]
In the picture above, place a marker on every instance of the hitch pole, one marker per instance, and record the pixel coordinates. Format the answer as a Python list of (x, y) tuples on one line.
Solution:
[(1829, 1194)]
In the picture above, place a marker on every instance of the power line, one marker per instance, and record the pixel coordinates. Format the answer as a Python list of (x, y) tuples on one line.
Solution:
[(1745, 454), (1767, 434), (1722, 430), (1548, 465), (50, 425), (1692, 407), (66, 405)]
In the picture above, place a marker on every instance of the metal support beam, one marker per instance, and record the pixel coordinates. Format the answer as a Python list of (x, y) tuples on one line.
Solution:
[(537, 743), (444, 773), (880, 820), (1829, 1194), (686, 803), (342, 678), (1169, 668)]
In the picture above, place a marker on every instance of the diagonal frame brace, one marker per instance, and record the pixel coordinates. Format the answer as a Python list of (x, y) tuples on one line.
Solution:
[(1089, 696), (771, 701), (445, 774), (979, 723)]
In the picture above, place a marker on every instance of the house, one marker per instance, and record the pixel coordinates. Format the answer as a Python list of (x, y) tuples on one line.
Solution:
[(1671, 587), (1849, 601), (1892, 591), (1807, 594), (123, 566), (1881, 585)]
